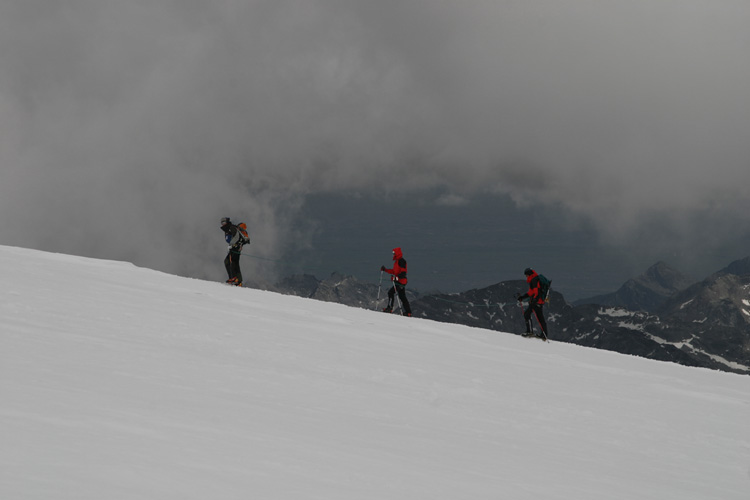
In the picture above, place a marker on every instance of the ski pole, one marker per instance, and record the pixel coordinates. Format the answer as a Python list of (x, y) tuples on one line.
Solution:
[(529, 324), (531, 321), (380, 283), (546, 339), (398, 297)]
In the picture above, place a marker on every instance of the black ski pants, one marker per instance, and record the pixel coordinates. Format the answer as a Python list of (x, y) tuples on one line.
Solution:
[(401, 289), (232, 263), (536, 310)]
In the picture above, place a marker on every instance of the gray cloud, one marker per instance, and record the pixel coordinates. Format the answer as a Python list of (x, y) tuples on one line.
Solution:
[(129, 128)]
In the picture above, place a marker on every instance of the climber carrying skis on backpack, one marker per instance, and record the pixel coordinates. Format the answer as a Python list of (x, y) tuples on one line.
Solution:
[(537, 295), (236, 237), (399, 282)]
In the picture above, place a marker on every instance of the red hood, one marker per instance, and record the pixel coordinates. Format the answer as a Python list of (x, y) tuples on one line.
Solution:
[(397, 253)]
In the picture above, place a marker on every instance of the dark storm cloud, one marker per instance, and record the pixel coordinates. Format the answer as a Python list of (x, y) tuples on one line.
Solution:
[(129, 128)]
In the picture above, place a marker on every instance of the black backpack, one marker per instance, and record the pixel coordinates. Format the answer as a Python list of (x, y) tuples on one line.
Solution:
[(544, 286)]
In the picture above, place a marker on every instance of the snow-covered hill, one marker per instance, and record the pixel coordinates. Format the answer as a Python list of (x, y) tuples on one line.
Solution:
[(118, 382)]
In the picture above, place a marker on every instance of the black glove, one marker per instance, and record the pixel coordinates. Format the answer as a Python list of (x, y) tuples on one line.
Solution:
[(382, 268)]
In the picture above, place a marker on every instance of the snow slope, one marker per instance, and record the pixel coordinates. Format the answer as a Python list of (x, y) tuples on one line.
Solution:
[(118, 382)]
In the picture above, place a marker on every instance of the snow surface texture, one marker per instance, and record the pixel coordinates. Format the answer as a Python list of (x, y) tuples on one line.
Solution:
[(118, 382)]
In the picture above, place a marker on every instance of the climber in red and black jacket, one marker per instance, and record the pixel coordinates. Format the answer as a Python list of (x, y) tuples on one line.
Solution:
[(536, 302), (399, 282)]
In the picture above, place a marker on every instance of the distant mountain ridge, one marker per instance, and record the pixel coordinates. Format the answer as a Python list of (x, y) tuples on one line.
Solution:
[(738, 267), (645, 292), (661, 314)]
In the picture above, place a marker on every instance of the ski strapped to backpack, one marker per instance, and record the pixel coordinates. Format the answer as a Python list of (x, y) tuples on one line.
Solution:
[(242, 228), (544, 286)]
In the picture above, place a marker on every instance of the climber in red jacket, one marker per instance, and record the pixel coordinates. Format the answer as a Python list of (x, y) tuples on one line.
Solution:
[(399, 282), (536, 302)]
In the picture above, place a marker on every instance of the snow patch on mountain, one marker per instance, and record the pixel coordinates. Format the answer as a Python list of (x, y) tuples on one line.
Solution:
[(615, 312), (631, 326)]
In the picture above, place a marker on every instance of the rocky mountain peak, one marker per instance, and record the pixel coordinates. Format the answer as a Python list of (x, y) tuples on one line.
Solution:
[(645, 292), (738, 267), (663, 279)]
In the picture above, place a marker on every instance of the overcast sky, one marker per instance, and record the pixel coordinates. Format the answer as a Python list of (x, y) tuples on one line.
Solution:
[(129, 128)]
